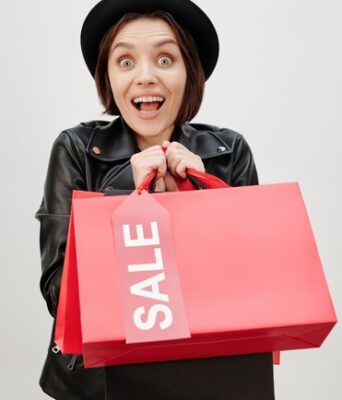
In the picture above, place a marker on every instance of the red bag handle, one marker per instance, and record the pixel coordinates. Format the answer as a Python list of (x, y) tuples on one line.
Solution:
[(194, 177), (194, 180)]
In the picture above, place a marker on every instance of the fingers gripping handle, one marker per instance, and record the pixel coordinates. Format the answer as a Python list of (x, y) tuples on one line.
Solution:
[(194, 180), (194, 177)]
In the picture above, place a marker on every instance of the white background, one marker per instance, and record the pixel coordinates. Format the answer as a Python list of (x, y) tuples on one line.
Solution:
[(278, 82)]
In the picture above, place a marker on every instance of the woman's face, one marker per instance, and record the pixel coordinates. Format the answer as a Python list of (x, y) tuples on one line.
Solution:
[(147, 76)]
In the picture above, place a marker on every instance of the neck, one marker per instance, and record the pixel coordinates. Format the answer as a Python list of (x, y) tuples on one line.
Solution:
[(145, 141)]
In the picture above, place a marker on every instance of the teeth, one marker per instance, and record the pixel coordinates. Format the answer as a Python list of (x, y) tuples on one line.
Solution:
[(148, 99)]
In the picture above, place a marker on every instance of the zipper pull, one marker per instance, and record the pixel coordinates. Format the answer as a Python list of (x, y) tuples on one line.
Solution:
[(72, 362), (56, 349)]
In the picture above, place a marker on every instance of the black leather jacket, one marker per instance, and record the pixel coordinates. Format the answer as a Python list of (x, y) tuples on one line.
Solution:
[(95, 156)]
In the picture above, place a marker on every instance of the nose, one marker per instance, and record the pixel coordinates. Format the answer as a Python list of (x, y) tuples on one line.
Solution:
[(146, 74)]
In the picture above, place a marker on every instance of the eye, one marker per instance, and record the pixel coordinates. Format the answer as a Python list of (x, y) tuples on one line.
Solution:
[(125, 63), (165, 60)]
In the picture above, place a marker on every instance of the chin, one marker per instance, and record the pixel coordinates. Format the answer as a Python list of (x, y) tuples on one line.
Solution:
[(150, 129)]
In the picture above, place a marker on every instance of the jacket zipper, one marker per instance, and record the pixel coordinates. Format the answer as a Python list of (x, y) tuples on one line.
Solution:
[(72, 362)]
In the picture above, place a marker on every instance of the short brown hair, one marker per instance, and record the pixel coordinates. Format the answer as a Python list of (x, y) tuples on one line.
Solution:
[(194, 88)]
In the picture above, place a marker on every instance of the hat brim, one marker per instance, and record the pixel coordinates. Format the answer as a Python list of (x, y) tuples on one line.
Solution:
[(107, 12)]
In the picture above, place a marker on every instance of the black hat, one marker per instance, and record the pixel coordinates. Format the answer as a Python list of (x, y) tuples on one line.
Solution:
[(107, 12)]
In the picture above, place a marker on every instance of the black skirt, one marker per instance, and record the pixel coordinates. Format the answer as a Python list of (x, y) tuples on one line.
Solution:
[(247, 377)]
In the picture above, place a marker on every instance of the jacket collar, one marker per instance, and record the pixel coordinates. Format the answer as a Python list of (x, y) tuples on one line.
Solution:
[(112, 142), (115, 141)]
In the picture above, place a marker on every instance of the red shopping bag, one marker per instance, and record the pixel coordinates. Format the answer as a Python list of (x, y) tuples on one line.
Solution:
[(248, 269)]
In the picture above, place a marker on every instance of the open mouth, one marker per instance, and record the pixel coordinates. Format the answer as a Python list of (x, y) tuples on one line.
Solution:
[(148, 103)]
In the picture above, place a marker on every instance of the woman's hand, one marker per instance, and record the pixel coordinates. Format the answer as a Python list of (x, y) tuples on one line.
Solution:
[(179, 158), (175, 161), (145, 162)]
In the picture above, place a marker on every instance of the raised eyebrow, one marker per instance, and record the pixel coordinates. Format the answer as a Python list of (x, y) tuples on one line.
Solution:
[(166, 41), (158, 44), (123, 44)]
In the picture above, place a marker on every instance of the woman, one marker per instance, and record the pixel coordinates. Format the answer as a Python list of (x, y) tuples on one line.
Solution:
[(150, 59)]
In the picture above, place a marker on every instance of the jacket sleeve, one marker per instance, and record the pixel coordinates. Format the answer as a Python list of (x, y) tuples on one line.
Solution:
[(244, 170), (65, 173)]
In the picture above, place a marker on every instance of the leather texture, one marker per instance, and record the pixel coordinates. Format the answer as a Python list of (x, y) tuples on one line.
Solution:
[(95, 156)]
